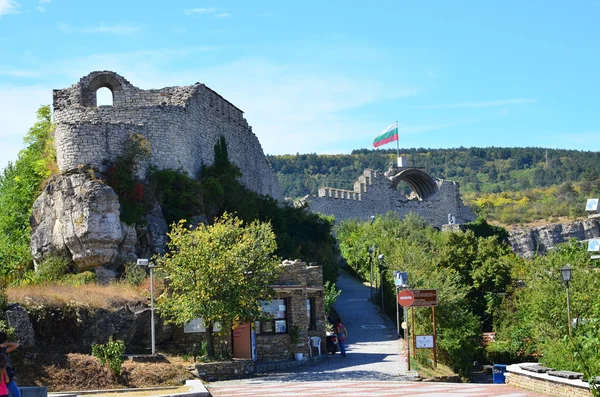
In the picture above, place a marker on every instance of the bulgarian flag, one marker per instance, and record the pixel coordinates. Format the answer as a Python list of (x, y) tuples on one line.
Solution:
[(390, 134)]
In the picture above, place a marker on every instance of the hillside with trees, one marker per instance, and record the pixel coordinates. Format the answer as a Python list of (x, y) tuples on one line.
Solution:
[(506, 185)]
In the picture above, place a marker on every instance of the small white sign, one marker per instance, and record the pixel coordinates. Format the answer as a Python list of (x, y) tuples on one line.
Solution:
[(197, 325), (424, 341)]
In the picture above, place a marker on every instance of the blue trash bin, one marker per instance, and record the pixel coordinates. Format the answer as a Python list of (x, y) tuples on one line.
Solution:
[(498, 373)]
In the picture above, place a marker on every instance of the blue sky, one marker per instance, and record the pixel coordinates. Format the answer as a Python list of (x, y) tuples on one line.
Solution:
[(327, 76)]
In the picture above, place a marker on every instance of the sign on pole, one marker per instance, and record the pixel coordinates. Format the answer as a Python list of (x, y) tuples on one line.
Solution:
[(424, 341), (405, 298), (424, 298), (400, 278)]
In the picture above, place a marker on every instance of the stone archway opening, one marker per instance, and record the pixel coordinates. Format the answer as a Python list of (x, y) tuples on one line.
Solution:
[(104, 97), (420, 183)]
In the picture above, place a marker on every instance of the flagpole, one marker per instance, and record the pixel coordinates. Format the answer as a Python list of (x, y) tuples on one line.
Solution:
[(397, 145)]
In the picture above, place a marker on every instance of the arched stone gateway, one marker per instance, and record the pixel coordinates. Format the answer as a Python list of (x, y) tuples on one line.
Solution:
[(375, 193), (420, 182)]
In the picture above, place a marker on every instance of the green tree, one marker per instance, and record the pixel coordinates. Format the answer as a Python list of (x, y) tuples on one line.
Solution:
[(219, 273), (300, 234), (20, 185), (428, 257)]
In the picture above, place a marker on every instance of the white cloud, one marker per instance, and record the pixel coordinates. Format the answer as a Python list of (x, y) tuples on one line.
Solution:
[(214, 11), (311, 109), (41, 5), (8, 7), (202, 11), (117, 29), (482, 104)]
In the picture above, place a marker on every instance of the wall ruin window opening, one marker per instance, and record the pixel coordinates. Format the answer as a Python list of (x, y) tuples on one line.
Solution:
[(104, 97)]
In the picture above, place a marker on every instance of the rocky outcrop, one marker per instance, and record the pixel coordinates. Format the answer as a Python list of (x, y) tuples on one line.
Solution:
[(77, 216), (75, 329), (18, 319), (539, 240)]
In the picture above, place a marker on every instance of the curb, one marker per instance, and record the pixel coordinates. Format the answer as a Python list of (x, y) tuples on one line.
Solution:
[(197, 390)]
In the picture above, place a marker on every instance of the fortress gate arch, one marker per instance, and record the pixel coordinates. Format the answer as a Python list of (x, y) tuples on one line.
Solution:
[(420, 182)]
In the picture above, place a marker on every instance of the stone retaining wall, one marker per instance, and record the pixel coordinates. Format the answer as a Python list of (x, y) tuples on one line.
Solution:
[(236, 369), (543, 383)]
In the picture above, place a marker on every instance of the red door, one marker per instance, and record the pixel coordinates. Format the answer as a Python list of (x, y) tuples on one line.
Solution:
[(242, 341)]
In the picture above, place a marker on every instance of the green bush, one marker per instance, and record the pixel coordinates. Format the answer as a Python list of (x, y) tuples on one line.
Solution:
[(53, 268), (122, 177), (330, 295), (112, 353), (500, 352), (134, 274), (179, 195), (78, 279)]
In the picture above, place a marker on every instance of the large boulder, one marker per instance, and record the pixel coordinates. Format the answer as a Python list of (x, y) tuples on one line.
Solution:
[(18, 319), (77, 215)]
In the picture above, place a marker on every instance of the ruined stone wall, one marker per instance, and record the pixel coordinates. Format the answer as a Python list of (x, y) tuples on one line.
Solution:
[(182, 125), (374, 194)]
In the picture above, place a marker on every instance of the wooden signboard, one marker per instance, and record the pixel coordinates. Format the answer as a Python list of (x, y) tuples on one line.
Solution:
[(424, 298)]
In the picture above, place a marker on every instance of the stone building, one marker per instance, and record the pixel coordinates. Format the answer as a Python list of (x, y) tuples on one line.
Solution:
[(300, 291), (182, 125), (375, 193), (298, 308)]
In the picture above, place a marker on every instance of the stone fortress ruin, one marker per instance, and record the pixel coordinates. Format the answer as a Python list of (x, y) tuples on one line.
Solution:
[(182, 125), (77, 216), (376, 193)]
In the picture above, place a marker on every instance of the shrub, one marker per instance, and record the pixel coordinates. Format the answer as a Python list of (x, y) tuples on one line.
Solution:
[(52, 269), (79, 279), (112, 353), (331, 293), (179, 195), (122, 177), (134, 274)]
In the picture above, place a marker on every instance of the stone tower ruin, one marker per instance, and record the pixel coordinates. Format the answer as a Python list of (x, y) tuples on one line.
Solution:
[(182, 125)]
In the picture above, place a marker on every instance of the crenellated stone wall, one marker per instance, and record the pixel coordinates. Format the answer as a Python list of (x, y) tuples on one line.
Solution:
[(374, 194), (182, 125)]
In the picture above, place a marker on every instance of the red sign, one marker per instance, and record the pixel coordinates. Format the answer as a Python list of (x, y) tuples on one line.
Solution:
[(424, 298), (405, 298)]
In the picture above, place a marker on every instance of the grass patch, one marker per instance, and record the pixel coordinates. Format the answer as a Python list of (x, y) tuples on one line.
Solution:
[(89, 295), (78, 372)]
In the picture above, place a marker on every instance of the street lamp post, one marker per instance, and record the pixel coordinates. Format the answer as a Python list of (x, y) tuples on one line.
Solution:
[(370, 250), (381, 258), (146, 263), (565, 273)]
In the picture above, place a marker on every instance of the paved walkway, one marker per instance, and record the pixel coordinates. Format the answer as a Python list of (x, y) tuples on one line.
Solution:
[(373, 350), (262, 388), (374, 367)]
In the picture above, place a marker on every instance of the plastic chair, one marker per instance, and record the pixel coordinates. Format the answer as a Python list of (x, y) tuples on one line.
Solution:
[(316, 342)]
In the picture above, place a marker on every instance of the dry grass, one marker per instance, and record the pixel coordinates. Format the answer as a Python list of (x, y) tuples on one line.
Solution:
[(82, 372), (88, 295)]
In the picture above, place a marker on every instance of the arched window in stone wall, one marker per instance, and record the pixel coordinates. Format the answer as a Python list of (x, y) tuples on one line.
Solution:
[(104, 97), (102, 89)]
